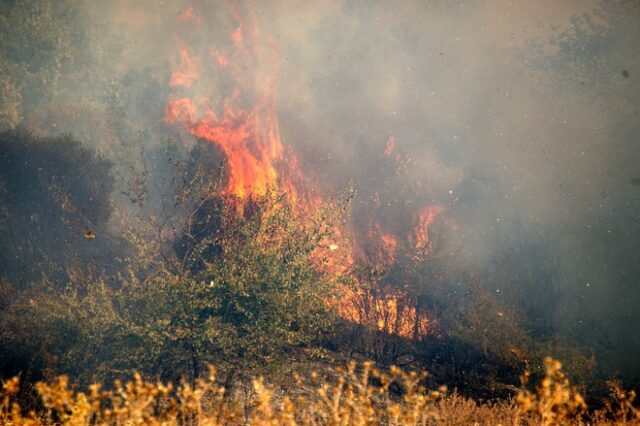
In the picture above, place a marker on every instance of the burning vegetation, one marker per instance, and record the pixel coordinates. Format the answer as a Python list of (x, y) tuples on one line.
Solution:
[(195, 233), (243, 125)]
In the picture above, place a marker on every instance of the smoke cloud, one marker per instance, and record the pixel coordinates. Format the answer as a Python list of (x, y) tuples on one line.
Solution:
[(532, 151)]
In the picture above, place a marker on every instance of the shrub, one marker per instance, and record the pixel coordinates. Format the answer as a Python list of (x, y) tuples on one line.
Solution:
[(357, 395), (258, 295)]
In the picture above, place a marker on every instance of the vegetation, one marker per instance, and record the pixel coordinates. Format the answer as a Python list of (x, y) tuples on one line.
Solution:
[(143, 263), (357, 395), (212, 279), (260, 295)]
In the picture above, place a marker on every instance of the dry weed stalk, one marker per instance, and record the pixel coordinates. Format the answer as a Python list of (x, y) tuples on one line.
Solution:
[(361, 395)]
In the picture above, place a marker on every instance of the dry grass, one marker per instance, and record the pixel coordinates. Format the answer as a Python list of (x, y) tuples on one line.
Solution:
[(359, 396)]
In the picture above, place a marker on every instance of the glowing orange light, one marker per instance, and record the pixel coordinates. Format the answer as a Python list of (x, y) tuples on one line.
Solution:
[(185, 70), (390, 147), (422, 241)]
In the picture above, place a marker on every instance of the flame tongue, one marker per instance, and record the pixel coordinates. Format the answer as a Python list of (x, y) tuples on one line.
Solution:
[(252, 147), (249, 137), (422, 241), (185, 69)]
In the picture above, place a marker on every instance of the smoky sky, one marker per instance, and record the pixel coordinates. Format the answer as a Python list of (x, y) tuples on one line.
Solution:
[(525, 140)]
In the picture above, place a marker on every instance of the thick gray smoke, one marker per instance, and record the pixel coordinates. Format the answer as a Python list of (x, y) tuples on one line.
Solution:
[(521, 119)]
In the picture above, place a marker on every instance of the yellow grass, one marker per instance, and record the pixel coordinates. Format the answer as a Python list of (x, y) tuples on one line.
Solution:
[(360, 395)]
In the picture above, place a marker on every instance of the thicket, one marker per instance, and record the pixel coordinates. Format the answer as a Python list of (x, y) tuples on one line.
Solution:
[(216, 280), (186, 276)]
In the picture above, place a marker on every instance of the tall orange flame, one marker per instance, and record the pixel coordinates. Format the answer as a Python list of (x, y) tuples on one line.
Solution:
[(250, 141), (249, 137)]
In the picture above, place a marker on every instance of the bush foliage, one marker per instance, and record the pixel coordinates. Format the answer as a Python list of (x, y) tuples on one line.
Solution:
[(259, 295)]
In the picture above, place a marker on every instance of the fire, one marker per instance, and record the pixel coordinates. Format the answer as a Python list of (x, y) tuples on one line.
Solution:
[(242, 122), (386, 310), (189, 17), (185, 70), (250, 142), (390, 245), (390, 147), (383, 306), (422, 241), (248, 136), (381, 247)]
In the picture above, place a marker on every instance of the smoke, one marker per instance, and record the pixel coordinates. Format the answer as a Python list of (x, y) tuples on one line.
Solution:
[(523, 160)]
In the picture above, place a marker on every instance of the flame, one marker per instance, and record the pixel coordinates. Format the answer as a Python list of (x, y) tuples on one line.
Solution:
[(185, 70), (386, 310), (248, 136), (189, 17), (242, 122), (390, 147), (422, 240), (381, 247), (238, 37), (249, 141), (389, 246)]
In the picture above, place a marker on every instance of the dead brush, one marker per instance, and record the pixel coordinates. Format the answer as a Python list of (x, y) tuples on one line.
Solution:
[(358, 395), (620, 409), (555, 401)]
